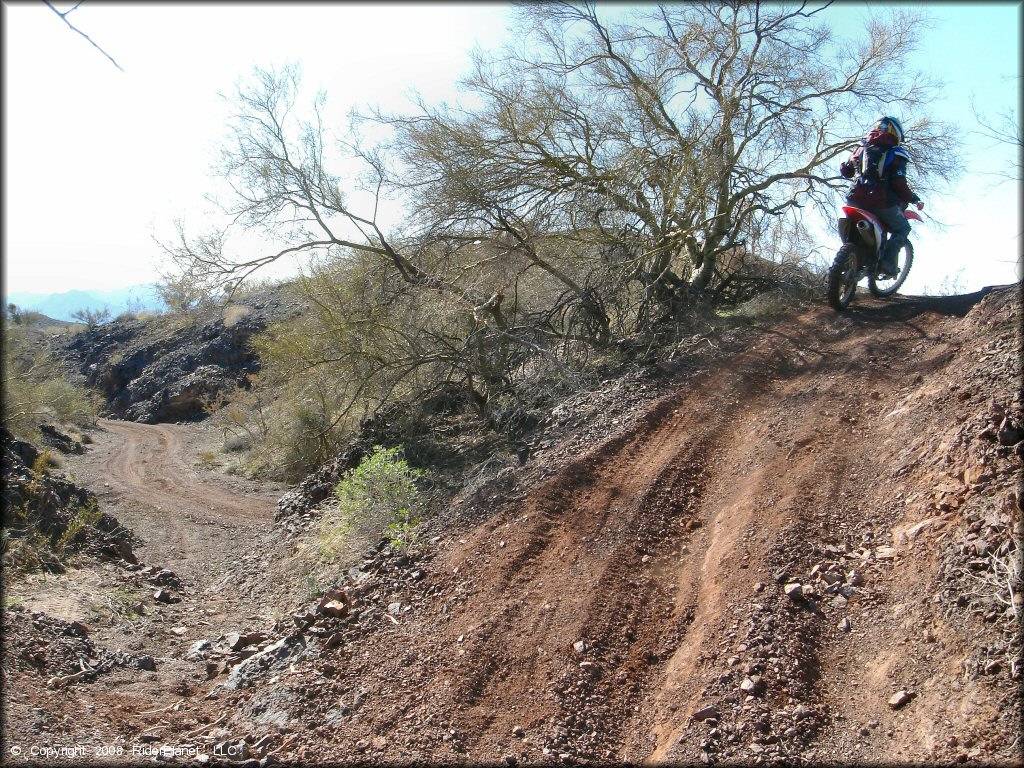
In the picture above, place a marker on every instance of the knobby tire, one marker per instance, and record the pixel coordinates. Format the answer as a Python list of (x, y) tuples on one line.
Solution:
[(842, 278), (882, 288)]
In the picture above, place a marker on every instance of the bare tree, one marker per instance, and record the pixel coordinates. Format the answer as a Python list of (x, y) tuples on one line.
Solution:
[(602, 177), (1004, 129), (669, 139)]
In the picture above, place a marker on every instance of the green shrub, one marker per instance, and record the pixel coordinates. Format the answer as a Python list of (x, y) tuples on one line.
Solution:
[(82, 517), (39, 388), (379, 497)]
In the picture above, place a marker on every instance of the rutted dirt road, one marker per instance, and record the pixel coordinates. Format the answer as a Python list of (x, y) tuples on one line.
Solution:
[(727, 577), (149, 464), (784, 557), (191, 521)]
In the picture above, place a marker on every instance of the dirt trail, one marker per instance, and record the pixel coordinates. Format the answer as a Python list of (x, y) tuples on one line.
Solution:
[(150, 465), (632, 604), (190, 521), (642, 581)]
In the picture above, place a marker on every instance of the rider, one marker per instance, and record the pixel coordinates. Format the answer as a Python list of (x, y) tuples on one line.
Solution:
[(881, 185)]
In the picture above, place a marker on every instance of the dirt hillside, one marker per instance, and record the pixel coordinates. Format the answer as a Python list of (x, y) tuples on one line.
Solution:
[(806, 548)]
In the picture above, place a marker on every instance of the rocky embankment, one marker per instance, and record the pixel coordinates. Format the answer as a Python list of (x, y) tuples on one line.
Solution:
[(167, 368), (54, 511)]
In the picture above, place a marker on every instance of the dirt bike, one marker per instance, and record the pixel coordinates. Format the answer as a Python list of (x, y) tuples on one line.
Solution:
[(864, 239)]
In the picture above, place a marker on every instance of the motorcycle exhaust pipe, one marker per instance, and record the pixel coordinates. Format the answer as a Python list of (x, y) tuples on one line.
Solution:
[(866, 232)]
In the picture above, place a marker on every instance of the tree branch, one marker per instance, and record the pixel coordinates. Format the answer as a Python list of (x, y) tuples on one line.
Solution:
[(64, 16)]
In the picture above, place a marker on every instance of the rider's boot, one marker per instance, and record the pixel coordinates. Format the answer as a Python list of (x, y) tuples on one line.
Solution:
[(887, 267)]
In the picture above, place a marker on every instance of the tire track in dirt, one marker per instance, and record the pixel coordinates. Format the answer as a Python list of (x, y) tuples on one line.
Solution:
[(655, 549), (603, 537), (640, 548), (150, 467), (194, 522)]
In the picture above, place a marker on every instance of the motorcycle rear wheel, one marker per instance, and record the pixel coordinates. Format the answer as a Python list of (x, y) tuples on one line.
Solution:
[(880, 286), (842, 278)]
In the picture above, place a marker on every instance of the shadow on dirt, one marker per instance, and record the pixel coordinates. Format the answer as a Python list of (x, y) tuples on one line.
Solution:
[(904, 308)]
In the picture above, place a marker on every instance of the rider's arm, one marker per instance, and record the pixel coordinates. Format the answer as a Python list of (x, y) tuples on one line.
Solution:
[(898, 182), (848, 168)]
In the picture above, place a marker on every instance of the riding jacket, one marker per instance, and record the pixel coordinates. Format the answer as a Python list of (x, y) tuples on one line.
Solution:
[(881, 170)]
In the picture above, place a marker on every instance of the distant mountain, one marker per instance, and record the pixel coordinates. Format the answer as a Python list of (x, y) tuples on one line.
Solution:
[(135, 298)]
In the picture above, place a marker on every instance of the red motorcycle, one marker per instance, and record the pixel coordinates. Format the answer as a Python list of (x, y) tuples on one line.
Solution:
[(864, 240)]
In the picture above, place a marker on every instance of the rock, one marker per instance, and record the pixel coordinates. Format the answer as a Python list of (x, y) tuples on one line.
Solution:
[(518, 732), (854, 578), (233, 641), (913, 531), (272, 656), (162, 596), (59, 440), (357, 574), (179, 631), (752, 685), (579, 646), (165, 578), (900, 698), (510, 760), (252, 638), (839, 602), (706, 713), (146, 663), (833, 577), (395, 607), (1009, 433), (885, 553), (973, 474), (196, 651), (77, 628), (335, 603), (793, 590), (844, 625)]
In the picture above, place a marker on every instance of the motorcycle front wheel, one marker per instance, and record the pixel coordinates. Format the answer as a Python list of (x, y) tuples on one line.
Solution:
[(842, 278), (882, 286)]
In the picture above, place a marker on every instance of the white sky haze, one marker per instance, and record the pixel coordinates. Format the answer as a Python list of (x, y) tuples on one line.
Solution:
[(97, 161)]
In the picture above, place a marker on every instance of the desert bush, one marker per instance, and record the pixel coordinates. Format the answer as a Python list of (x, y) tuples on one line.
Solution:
[(30, 542), (378, 497), (92, 318), (38, 388), (26, 317)]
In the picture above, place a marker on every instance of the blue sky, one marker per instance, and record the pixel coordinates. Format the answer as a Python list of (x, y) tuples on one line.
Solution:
[(97, 161)]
